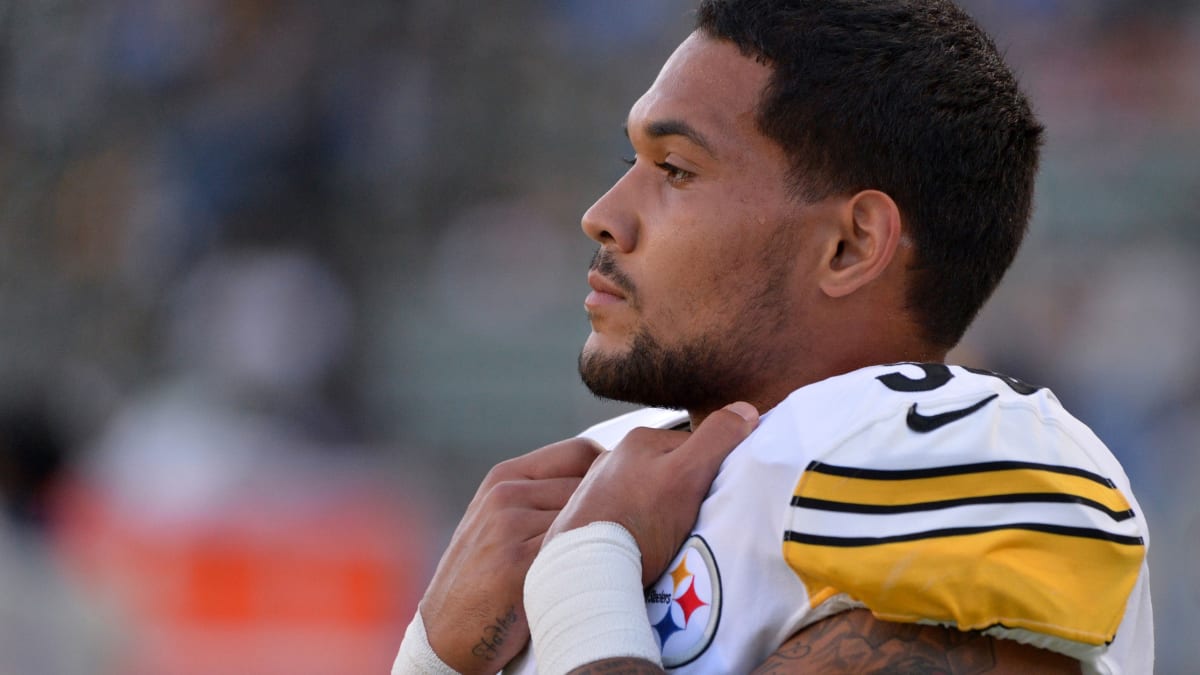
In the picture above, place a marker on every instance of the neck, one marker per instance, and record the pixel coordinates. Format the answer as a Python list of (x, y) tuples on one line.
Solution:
[(771, 394)]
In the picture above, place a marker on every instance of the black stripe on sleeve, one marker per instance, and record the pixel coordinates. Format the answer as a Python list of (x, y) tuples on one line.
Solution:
[(1031, 497), (955, 470), (1087, 533)]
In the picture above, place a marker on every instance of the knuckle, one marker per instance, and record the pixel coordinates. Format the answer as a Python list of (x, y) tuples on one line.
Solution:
[(641, 433), (506, 493), (643, 439), (574, 444), (576, 449), (503, 472), (588, 446)]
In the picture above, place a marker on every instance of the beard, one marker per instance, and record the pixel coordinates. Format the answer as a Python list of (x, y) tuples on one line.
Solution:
[(728, 363), (697, 376)]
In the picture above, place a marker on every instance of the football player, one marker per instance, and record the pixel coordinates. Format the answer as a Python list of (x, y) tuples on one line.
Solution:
[(822, 195)]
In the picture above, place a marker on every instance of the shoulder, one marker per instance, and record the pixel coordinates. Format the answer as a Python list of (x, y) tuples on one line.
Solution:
[(900, 415), (963, 498)]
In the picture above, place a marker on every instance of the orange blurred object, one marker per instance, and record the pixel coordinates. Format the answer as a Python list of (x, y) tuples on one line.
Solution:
[(269, 585)]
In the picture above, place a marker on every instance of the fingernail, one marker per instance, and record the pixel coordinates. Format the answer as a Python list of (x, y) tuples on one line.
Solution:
[(743, 410)]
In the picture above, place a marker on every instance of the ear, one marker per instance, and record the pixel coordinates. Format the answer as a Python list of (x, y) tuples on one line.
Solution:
[(868, 235)]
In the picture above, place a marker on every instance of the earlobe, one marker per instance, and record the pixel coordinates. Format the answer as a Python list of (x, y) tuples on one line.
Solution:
[(869, 234)]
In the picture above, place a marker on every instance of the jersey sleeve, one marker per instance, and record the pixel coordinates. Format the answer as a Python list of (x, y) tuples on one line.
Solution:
[(997, 520)]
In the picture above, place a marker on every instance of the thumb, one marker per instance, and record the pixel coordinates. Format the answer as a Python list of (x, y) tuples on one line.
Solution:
[(718, 435)]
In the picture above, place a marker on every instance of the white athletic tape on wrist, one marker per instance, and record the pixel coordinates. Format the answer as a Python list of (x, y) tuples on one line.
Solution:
[(416, 656), (585, 602)]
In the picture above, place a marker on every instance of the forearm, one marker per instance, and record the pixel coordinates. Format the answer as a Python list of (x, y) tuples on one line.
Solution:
[(620, 666), (602, 629), (471, 618)]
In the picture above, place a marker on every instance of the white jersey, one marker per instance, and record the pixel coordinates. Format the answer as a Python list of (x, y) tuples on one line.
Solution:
[(926, 493)]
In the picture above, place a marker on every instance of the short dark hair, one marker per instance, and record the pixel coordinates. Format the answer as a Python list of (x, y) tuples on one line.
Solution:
[(911, 98)]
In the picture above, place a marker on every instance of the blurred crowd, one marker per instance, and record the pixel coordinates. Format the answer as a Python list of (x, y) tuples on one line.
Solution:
[(281, 279)]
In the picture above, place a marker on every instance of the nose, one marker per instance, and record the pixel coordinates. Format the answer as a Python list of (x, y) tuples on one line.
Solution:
[(611, 221)]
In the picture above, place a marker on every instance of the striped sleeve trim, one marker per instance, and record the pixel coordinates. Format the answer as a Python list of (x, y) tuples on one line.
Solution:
[(1029, 497), (942, 487), (952, 470), (851, 542), (1051, 549)]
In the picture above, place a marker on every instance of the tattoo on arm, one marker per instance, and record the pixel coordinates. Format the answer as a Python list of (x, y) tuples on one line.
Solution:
[(494, 635), (857, 642), (619, 666)]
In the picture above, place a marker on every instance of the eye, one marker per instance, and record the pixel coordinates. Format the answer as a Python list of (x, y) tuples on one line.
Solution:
[(629, 160), (675, 175)]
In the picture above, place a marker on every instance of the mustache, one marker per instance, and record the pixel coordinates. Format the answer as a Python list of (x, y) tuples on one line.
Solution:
[(602, 262)]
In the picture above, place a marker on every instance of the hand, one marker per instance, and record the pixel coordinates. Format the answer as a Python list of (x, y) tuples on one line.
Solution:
[(653, 482), (473, 609)]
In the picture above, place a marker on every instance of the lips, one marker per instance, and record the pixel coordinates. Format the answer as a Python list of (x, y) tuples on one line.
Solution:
[(604, 291)]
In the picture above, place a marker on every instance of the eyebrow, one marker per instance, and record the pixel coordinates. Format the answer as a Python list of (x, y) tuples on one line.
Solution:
[(669, 127)]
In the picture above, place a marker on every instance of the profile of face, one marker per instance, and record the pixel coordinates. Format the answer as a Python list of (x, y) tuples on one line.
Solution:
[(705, 260)]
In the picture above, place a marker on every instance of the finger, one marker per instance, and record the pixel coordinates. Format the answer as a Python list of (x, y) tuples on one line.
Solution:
[(538, 523), (499, 531), (717, 436), (571, 457), (654, 441), (549, 494)]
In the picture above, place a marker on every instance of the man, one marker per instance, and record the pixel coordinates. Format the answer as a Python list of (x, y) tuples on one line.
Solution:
[(819, 187)]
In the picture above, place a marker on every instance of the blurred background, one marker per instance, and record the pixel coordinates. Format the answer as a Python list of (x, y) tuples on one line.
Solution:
[(281, 279)]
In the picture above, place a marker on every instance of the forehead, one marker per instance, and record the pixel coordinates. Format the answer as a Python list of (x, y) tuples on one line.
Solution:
[(710, 85)]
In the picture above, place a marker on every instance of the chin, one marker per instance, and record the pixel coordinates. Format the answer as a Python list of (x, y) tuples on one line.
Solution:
[(689, 377), (607, 343), (603, 370)]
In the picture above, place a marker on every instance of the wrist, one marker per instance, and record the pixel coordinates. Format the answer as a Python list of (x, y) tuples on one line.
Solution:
[(585, 602), (416, 655)]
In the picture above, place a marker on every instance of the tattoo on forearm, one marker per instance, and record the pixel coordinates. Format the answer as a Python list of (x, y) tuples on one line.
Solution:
[(855, 642), (618, 666), (494, 635)]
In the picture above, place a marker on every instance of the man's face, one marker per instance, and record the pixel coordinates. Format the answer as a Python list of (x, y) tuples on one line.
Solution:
[(703, 273)]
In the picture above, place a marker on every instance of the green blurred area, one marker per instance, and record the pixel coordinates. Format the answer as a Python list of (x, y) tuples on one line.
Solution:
[(245, 238)]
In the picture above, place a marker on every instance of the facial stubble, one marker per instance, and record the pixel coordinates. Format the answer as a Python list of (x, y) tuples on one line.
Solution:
[(729, 362)]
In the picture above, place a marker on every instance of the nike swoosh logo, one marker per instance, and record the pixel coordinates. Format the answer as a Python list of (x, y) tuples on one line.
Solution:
[(926, 423)]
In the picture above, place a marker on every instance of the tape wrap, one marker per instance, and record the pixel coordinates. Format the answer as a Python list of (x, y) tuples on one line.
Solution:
[(416, 656), (585, 602)]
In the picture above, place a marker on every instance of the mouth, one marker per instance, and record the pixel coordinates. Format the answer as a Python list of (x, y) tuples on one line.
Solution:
[(604, 292)]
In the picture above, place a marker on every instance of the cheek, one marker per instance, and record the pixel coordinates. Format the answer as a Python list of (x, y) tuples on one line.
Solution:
[(703, 282), (702, 264)]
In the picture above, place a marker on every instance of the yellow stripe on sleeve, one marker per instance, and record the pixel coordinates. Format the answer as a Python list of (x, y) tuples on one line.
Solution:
[(1059, 577), (815, 485), (1069, 587)]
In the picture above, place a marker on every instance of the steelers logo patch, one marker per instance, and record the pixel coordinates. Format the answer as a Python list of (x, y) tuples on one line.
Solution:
[(684, 605)]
